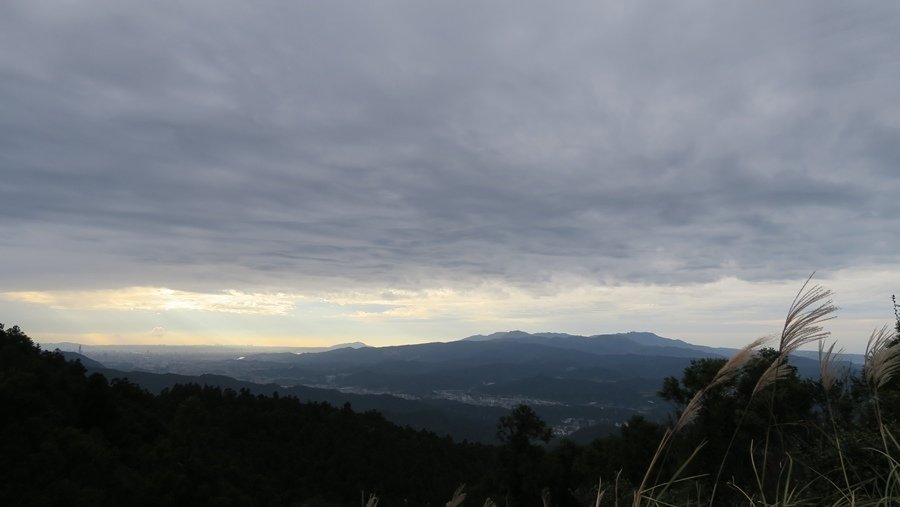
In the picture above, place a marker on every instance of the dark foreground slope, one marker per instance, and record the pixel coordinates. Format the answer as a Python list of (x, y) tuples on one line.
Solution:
[(73, 439)]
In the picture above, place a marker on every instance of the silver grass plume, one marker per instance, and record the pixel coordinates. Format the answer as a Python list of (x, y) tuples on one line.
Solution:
[(725, 373), (737, 361), (828, 365), (774, 373), (803, 325), (882, 359), (458, 496)]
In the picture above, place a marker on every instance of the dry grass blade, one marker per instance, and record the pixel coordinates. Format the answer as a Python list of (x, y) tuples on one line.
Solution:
[(616, 487), (882, 359), (458, 497), (663, 442), (373, 501), (600, 492), (489, 503), (676, 477)]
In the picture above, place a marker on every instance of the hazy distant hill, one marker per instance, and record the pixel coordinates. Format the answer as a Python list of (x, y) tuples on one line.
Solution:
[(193, 350), (84, 360), (183, 359)]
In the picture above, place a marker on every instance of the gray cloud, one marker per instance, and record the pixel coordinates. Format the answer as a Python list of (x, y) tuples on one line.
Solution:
[(274, 144)]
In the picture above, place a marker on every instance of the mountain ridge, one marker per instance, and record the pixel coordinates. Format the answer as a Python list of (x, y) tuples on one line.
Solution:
[(574, 381)]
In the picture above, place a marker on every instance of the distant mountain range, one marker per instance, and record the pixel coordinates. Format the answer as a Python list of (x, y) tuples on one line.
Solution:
[(579, 384)]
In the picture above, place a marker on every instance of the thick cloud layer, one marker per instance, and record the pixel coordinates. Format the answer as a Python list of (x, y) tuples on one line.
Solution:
[(282, 145)]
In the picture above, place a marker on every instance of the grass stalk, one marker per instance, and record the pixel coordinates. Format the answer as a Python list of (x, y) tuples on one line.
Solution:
[(811, 307)]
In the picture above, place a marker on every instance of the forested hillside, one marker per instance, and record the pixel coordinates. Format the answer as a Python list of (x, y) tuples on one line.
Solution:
[(73, 439)]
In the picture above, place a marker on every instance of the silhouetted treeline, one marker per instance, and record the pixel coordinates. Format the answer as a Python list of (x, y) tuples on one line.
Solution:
[(71, 439)]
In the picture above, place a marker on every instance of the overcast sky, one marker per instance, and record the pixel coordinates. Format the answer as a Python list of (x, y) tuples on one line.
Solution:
[(290, 172)]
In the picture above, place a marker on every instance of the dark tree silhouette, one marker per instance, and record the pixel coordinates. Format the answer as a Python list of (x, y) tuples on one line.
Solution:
[(520, 456)]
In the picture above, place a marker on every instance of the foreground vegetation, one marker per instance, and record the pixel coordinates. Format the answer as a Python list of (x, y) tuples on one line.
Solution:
[(746, 431), (749, 431)]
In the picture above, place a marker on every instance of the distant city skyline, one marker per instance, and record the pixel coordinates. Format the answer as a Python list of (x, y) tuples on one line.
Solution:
[(313, 173)]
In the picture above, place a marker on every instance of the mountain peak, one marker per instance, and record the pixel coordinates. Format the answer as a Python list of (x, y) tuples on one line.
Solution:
[(500, 335)]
